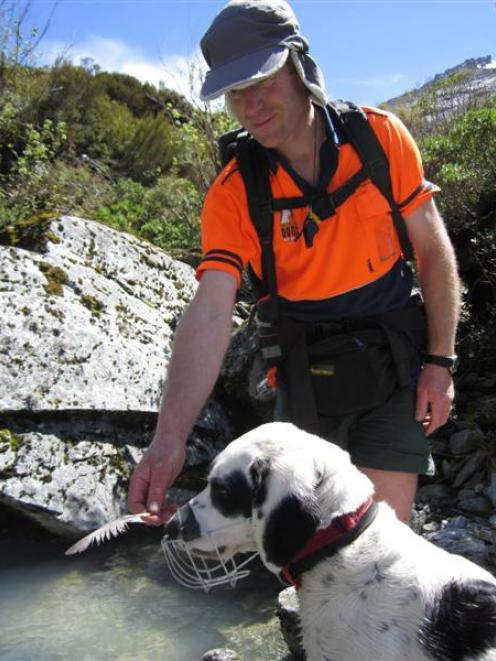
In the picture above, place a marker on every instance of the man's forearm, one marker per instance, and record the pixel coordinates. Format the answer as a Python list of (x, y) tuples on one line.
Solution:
[(438, 275), (201, 341), (441, 291)]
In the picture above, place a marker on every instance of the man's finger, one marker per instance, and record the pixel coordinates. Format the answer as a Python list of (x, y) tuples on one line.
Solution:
[(159, 484), (138, 489), (422, 406), (158, 519)]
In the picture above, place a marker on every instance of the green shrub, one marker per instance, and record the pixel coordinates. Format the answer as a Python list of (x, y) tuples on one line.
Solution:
[(463, 163), (58, 188), (166, 214), (151, 150), (125, 210), (172, 214)]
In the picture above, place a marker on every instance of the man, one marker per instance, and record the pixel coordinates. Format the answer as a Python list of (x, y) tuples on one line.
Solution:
[(351, 267)]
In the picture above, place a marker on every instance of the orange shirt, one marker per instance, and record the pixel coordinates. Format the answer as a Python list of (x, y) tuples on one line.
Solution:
[(352, 249)]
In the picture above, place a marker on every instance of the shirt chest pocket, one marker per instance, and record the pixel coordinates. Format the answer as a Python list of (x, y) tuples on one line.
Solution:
[(374, 214)]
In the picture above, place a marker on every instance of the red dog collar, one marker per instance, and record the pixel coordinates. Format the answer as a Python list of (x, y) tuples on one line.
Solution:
[(339, 533)]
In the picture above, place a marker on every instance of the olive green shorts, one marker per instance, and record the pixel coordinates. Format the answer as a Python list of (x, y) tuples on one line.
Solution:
[(387, 438)]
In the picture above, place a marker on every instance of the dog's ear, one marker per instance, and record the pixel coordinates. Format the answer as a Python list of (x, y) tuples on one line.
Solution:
[(289, 526), (259, 472)]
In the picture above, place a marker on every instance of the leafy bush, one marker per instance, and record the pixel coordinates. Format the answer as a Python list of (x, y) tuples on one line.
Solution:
[(166, 214), (125, 210), (151, 151), (172, 214), (58, 188), (199, 159), (27, 186), (463, 163)]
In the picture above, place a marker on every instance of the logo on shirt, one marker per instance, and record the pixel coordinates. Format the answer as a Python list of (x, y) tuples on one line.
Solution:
[(289, 229)]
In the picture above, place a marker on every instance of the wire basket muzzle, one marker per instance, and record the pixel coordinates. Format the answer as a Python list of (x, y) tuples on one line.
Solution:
[(197, 571)]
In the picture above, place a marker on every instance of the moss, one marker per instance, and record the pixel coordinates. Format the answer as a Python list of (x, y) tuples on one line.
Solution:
[(31, 233), (119, 464), (93, 304), (55, 277), (26, 311), (56, 312), (146, 260), (7, 436), (52, 237)]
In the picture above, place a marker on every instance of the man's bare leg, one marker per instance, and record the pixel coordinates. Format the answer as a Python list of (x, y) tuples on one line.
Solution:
[(396, 488)]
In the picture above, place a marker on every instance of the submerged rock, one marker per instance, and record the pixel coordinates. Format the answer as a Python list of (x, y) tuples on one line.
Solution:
[(221, 654)]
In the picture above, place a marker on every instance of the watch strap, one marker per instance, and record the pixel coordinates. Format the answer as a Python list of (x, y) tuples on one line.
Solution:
[(450, 362)]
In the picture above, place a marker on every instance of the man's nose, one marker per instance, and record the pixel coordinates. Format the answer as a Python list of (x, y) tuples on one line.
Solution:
[(183, 525), (252, 99)]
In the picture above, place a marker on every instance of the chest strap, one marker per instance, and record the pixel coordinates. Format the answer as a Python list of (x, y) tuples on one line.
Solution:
[(254, 168)]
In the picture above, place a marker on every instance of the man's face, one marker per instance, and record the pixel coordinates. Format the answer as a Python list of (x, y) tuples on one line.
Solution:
[(273, 110)]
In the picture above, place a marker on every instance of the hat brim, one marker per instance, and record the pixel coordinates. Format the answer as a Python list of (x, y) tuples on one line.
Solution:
[(243, 71)]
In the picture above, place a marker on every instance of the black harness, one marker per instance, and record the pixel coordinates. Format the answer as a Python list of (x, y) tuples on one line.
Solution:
[(284, 342), (254, 168)]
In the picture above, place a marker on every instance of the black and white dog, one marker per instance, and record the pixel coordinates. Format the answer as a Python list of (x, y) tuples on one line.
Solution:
[(370, 589)]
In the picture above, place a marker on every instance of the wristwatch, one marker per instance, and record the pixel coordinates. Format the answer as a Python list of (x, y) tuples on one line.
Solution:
[(450, 362)]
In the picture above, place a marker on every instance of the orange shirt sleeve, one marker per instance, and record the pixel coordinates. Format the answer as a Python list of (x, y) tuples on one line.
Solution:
[(229, 240), (410, 188)]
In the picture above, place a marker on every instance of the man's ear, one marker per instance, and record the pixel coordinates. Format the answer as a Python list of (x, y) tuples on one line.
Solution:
[(259, 472)]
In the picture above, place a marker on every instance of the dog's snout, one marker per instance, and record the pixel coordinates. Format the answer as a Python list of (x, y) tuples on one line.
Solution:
[(172, 528), (183, 525)]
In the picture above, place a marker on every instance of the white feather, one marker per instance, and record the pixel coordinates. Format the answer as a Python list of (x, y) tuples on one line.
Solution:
[(109, 530)]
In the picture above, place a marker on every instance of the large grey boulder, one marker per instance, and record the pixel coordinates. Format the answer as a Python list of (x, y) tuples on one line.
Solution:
[(88, 324), (89, 315), (71, 474)]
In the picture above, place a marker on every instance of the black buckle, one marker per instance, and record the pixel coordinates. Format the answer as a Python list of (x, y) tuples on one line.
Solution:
[(323, 206)]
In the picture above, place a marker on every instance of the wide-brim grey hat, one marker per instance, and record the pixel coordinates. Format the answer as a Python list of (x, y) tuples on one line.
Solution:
[(250, 40)]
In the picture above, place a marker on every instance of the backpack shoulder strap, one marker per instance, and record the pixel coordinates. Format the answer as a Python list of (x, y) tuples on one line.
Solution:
[(228, 144), (254, 169), (357, 129)]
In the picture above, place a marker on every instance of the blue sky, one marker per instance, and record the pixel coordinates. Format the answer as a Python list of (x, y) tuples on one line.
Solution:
[(369, 50)]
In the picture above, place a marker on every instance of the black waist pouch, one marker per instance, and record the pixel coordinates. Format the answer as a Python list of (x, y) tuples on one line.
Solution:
[(340, 368), (354, 371)]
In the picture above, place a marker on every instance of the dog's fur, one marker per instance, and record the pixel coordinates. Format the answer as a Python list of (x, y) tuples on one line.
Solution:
[(390, 595)]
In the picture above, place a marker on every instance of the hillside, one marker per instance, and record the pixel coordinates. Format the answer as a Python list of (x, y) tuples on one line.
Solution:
[(460, 88)]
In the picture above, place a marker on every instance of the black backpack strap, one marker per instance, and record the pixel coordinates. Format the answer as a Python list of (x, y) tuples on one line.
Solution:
[(334, 200), (254, 169), (364, 140), (228, 144)]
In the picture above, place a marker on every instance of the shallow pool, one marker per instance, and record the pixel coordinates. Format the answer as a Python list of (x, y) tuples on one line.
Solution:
[(118, 602)]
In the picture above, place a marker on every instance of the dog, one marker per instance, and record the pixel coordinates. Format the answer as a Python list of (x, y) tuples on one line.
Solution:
[(369, 588)]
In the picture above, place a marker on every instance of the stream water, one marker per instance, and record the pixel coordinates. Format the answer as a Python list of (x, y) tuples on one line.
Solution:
[(119, 602)]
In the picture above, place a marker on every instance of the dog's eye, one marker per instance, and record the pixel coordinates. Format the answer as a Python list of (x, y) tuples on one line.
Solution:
[(219, 489)]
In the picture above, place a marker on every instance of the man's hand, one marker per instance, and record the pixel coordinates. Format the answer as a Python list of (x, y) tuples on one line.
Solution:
[(151, 478), (435, 393)]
